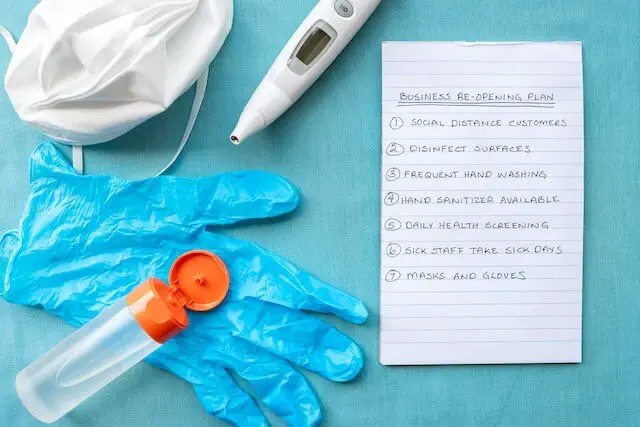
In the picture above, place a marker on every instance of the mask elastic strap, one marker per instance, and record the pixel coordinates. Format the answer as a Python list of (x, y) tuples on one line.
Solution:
[(6, 35), (77, 158), (201, 86)]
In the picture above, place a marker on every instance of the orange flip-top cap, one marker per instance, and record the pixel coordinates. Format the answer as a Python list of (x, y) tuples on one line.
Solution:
[(198, 280)]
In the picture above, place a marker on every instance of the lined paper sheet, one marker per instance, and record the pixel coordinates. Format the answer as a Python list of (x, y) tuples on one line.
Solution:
[(482, 203)]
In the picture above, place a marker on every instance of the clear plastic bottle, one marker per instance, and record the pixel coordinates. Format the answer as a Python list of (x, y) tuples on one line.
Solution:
[(121, 336)]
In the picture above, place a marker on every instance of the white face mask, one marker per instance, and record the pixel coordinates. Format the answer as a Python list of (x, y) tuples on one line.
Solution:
[(86, 72)]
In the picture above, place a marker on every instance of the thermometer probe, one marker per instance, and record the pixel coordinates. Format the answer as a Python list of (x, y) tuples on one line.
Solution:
[(314, 46)]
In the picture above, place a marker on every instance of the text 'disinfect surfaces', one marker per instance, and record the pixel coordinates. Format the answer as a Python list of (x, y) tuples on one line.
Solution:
[(482, 203)]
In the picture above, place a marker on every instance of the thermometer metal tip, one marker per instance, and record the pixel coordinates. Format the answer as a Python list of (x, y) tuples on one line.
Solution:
[(250, 122)]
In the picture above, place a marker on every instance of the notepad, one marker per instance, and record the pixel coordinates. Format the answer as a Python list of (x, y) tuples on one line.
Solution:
[(482, 203)]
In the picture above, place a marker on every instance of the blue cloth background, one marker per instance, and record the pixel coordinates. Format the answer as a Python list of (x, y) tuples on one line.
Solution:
[(329, 145)]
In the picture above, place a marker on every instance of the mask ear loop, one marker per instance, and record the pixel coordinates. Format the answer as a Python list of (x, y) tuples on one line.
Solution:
[(201, 86), (6, 35), (77, 158)]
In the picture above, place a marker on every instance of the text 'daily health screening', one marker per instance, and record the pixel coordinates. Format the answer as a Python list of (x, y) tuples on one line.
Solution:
[(482, 203)]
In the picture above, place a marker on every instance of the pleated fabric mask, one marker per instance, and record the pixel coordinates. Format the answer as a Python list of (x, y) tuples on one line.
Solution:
[(87, 72)]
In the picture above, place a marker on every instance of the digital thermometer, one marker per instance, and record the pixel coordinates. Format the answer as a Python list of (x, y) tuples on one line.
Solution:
[(314, 46)]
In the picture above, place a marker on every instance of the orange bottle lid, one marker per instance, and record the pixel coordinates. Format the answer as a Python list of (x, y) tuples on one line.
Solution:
[(199, 280)]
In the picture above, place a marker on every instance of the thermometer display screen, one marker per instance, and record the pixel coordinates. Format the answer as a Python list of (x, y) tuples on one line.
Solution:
[(317, 41)]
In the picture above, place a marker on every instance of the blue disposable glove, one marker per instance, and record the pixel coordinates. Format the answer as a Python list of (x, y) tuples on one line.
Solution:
[(86, 241)]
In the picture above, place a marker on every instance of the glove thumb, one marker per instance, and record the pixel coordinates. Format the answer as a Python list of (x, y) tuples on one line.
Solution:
[(8, 245)]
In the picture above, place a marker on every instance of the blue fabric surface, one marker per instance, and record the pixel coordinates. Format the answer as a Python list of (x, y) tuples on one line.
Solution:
[(95, 236), (328, 145)]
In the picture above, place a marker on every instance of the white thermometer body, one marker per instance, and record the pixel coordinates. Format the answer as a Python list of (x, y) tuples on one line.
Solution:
[(315, 45)]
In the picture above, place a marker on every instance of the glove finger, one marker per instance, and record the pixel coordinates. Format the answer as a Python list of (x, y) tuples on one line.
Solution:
[(232, 197), (215, 200), (222, 199), (283, 389), (261, 274), (216, 389), (297, 337), (9, 242)]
